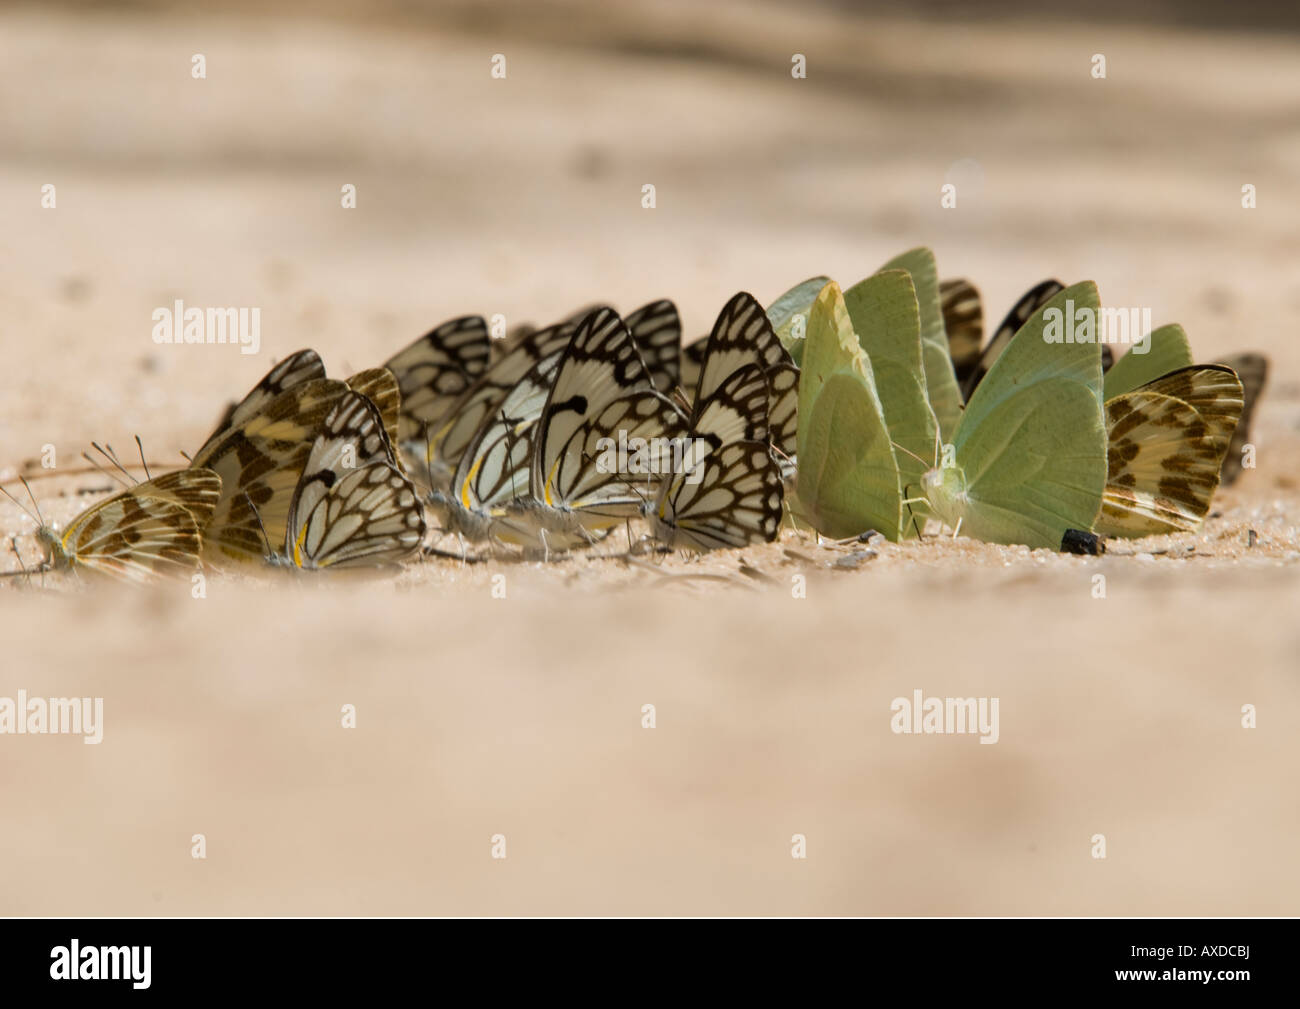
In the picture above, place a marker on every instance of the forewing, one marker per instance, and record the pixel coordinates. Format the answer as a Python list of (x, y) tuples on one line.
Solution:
[(448, 445), (963, 321), (379, 385), (657, 331), (742, 335), (260, 463), (1252, 369), (296, 369), (1166, 349), (435, 370), (1021, 312)]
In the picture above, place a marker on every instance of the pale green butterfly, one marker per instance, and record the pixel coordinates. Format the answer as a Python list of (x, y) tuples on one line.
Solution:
[(940, 379), (1028, 459), (789, 314), (847, 479), (885, 315)]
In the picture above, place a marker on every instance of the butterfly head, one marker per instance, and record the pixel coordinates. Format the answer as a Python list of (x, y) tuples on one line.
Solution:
[(945, 488), (51, 543)]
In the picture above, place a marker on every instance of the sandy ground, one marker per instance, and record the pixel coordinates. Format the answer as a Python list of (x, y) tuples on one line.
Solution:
[(522, 716)]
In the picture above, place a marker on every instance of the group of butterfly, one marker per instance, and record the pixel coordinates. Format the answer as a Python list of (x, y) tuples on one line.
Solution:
[(1039, 437), (818, 411)]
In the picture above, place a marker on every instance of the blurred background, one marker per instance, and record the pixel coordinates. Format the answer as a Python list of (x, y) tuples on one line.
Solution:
[(523, 196)]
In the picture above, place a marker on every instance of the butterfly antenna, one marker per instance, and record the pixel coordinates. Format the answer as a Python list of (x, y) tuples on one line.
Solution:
[(25, 510), (258, 515), (909, 452), (187, 457), (111, 458), (112, 455), (140, 445)]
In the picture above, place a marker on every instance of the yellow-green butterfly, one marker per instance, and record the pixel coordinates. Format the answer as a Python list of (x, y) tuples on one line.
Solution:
[(886, 318), (1027, 460), (847, 479), (940, 379)]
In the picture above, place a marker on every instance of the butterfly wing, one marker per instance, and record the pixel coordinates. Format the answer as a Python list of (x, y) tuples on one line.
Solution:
[(795, 303), (1029, 304), (940, 381), (296, 369), (692, 364), (1252, 369), (742, 335), (259, 463), (1030, 451), (147, 531), (1167, 443), (884, 313), (963, 322), (352, 436), (448, 444), (495, 467), (1166, 349), (657, 331), (602, 394), (379, 385), (435, 370), (196, 490), (783, 418), (728, 491)]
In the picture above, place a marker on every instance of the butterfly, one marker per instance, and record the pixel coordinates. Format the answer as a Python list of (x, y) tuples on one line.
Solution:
[(789, 314), (744, 334), (493, 468), (940, 381), (352, 505), (446, 445), (1166, 443), (149, 530), (433, 373), (657, 331), (260, 450), (1027, 460), (963, 321), (601, 400), (490, 437), (728, 490), (1169, 428), (1252, 369), (885, 315), (847, 479)]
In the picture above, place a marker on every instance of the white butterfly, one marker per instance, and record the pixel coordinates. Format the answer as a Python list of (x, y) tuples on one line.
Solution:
[(352, 507), (602, 399)]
